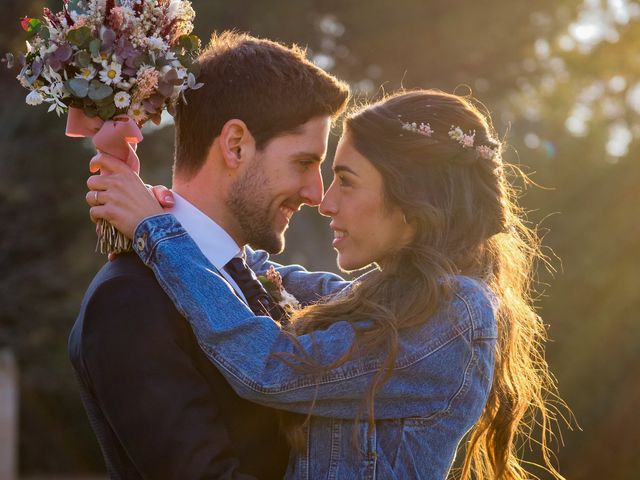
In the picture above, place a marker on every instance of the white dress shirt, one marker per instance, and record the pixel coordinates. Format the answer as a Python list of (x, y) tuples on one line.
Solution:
[(214, 242)]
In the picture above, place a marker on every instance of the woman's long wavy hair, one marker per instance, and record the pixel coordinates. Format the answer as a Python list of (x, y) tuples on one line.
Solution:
[(467, 222)]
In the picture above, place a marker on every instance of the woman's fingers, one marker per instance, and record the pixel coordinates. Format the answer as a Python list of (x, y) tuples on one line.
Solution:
[(105, 162), (93, 198), (163, 195), (97, 182), (99, 212), (119, 196)]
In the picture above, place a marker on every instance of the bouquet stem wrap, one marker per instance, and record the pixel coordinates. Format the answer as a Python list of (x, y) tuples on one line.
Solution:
[(119, 138)]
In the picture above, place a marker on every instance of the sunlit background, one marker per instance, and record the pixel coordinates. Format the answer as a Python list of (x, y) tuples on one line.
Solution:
[(561, 79)]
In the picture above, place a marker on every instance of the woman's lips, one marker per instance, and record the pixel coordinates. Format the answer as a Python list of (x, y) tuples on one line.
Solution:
[(339, 236)]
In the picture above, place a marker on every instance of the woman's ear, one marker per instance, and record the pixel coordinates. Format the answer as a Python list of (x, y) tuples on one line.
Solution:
[(408, 230), (237, 145)]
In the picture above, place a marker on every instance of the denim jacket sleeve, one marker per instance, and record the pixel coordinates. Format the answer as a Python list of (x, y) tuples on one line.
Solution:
[(242, 345), (307, 287)]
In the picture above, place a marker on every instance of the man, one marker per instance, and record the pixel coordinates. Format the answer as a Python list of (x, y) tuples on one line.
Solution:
[(248, 152)]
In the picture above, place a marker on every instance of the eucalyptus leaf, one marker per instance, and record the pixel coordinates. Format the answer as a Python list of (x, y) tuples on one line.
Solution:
[(63, 52), (99, 91), (81, 37), (105, 101), (79, 87), (90, 112), (172, 77), (82, 59), (107, 112), (108, 37), (94, 47), (165, 88)]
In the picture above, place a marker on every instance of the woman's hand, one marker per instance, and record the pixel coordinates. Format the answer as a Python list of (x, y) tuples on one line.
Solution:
[(163, 195), (119, 195)]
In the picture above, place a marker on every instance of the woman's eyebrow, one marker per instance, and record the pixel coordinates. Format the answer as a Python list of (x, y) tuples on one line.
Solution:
[(344, 168)]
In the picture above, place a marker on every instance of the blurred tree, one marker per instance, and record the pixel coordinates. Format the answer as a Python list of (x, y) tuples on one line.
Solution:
[(561, 78)]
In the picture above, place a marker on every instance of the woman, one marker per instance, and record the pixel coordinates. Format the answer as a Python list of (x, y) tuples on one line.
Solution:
[(438, 342)]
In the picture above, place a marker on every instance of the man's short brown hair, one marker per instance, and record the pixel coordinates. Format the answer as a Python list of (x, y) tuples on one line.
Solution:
[(271, 87)]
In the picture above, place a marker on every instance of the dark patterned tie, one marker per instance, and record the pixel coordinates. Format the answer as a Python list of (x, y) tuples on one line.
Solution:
[(260, 302)]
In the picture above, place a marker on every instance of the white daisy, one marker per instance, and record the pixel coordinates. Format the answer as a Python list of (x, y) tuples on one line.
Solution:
[(34, 98), (122, 99), (111, 73), (88, 73), (102, 57), (137, 113)]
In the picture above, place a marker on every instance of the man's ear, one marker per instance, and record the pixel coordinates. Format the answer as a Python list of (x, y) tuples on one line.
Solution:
[(236, 143)]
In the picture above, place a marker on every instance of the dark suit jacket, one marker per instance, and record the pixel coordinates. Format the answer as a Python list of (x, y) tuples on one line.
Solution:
[(159, 408)]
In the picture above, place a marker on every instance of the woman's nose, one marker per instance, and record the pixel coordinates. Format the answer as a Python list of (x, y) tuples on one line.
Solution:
[(329, 205)]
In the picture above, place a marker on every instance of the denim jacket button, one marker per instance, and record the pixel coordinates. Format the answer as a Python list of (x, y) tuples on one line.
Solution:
[(140, 244)]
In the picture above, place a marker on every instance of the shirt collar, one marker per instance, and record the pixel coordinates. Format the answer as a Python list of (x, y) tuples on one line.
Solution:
[(214, 242)]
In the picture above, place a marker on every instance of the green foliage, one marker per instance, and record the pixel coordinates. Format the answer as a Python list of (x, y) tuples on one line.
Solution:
[(190, 43), (94, 47), (98, 91), (80, 37), (587, 205), (79, 87)]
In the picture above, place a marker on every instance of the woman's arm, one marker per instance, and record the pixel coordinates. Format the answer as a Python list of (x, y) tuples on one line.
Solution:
[(242, 345), (239, 343), (308, 287)]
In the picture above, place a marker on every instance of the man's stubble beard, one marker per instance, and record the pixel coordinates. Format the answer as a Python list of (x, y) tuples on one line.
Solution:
[(249, 201)]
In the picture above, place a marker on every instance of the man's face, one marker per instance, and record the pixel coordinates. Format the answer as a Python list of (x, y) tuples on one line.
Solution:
[(280, 178)]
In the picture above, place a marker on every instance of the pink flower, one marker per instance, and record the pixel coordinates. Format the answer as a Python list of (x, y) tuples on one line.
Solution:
[(274, 276), (117, 19), (467, 140), (146, 84)]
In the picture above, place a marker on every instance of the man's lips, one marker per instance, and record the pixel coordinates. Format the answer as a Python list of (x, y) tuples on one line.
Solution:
[(287, 211)]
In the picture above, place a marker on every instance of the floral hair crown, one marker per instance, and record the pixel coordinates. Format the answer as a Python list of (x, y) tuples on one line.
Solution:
[(466, 140)]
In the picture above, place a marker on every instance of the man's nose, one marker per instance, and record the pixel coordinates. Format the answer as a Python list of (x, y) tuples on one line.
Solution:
[(313, 190)]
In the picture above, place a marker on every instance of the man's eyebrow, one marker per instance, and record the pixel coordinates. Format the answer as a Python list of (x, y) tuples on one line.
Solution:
[(344, 168)]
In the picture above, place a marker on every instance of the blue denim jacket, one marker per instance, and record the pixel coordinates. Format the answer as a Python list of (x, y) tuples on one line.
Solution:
[(437, 391)]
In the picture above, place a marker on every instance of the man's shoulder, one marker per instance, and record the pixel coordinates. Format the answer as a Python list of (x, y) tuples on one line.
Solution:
[(122, 284), (125, 269), (124, 265)]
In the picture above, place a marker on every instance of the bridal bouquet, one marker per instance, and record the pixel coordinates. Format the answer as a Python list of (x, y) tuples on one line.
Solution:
[(112, 65)]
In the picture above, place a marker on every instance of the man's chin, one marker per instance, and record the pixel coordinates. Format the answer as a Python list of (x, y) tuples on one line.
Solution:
[(273, 245)]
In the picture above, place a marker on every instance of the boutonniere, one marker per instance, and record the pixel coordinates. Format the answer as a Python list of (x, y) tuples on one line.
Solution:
[(272, 283)]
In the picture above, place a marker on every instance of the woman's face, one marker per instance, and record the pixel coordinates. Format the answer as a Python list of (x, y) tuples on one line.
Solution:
[(365, 229)]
